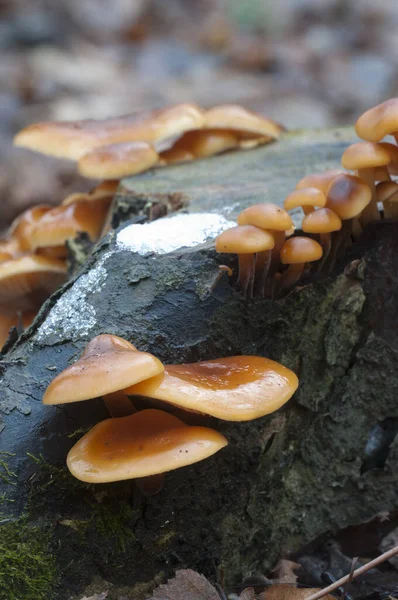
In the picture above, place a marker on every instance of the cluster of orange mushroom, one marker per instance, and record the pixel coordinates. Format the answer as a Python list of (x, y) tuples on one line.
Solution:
[(144, 445), (337, 206), (33, 251)]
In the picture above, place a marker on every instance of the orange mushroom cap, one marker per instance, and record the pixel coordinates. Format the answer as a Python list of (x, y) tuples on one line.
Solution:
[(27, 281), (231, 116), (108, 364), (22, 228), (244, 239), (320, 181), (379, 121), (66, 221), (323, 220), (305, 196), (364, 155), (174, 155), (73, 139), (266, 216), (300, 249), (106, 189), (236, 388), (115, 161), (392, 150), (347, 196), (145, 443), (206, 142), (387, 190)]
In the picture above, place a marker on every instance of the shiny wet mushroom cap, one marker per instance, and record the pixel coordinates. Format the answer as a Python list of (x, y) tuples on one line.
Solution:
[(296, 252), (118, 160), (206, 142), (379, 121), (307, 198), (108, 364), (236, 388), (320, 181), (104, 190), (347, 196), (143, 444), (73, 139)]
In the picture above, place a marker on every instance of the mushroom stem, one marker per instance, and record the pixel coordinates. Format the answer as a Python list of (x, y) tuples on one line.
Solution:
[(279, 237), (370, 212), (326, 243), (356, 228), (119, 404), (308, 209), (341, 242), (291, 276), (263, 262), (246, 273), (151, 485)]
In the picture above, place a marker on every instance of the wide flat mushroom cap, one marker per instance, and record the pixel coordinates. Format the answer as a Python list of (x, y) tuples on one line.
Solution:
[(145, 443), (66, 221), (22, 227), (306, 196), (363, 155), (27, 281), (266, 216), (73, 139), (105, 189), (107, 365), (321, 181), (231, 116), (347, 196), (115, 161), (244, 239), (236, 388), (300, 249), (379, 121), (323, 220)]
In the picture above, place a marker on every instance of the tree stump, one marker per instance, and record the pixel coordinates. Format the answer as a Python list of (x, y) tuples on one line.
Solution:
[(327, 460)]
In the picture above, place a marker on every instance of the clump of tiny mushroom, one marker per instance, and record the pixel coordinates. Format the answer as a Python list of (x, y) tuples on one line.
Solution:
[(33, 251), (337, 205), (145, 444)]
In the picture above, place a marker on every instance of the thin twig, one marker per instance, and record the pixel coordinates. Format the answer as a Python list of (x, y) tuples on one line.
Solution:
[(350, 577), (373, 563)]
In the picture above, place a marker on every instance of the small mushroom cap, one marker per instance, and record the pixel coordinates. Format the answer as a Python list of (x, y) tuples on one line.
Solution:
[(73, 139), (27, 281), (118, 160), (244, 239), (174, 155), (387, 190), (364, 155), (306, 196), (236, 388), (347, 196), (379, 121), (300, 249), (106, 189), (323, 220), (321, 181), (266, 216), (108, 364), (65, 222), (22, 228), (231, 116), (207, 142), (145, 443)]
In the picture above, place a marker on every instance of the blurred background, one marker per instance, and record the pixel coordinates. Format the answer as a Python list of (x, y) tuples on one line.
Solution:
[(305, 63)]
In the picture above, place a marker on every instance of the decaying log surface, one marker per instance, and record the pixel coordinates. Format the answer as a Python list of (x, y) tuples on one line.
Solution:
[(319, 464)]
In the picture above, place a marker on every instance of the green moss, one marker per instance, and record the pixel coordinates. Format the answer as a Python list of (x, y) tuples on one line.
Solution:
[(27, 567), (6, 475)]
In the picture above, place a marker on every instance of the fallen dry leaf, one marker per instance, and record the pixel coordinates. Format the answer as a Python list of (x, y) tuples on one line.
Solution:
[(186, 585), (284, 591), (284, 571)]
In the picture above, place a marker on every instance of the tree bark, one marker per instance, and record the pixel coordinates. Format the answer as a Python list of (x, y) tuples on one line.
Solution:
[(327, 460)]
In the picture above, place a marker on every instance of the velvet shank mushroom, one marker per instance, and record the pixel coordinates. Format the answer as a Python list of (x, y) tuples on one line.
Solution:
[(144, 444), (27, 281), (236, 388), (73, 139), (364, 158), (108, 364), (308, 198), (296, 252), (347, 196), (104, 190), (387, 193), (320, 181), (206, 142), (322, 222), (231, 116), (245, 241), (379, 121), (118, 160)]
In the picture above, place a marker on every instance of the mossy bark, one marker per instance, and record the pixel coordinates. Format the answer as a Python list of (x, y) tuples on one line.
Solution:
[(317, 465)]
